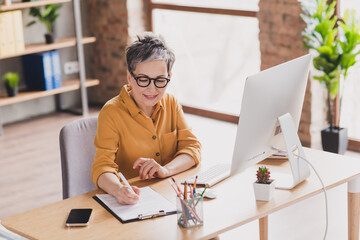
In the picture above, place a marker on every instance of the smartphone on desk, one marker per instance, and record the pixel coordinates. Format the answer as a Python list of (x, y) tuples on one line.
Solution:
[(79, 217)]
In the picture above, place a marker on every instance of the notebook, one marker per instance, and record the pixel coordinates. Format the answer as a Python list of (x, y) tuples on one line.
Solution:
[(151, 204)]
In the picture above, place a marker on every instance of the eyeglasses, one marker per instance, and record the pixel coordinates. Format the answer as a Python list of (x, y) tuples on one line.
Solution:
[(144, 81)]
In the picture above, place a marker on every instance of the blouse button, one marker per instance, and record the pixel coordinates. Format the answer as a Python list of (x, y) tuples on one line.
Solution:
[(154, 137), (157, 154)]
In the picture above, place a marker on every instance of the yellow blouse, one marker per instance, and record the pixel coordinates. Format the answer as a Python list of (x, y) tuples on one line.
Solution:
[(125, 133)]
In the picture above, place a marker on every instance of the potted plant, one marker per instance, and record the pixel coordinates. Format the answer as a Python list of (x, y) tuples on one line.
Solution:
[(264, 187), (47, 17), (11, 81), (336, 42)]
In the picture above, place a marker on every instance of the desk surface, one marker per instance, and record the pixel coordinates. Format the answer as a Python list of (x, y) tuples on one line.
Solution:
[(234, 206)]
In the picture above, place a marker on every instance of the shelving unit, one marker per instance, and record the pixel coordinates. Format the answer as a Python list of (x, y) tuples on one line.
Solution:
[(68, 85), (42, 47), (23, 5)]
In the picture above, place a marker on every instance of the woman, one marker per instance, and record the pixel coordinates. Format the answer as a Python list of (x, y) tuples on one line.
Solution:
[(142, 131)]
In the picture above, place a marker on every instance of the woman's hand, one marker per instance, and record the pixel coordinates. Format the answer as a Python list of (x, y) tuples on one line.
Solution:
[(124, 196), (149, 168)]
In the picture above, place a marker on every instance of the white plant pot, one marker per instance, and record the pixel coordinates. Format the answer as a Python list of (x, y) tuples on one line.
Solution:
[(264, 192)]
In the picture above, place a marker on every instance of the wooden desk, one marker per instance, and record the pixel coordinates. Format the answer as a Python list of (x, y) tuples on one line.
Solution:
[(234, 206)]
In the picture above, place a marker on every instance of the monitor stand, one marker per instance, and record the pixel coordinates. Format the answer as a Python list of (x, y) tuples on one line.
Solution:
[(299, 168)]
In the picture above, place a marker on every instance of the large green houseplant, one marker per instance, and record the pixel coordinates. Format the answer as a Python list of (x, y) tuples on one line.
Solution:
[(48, 17), (336, 42)]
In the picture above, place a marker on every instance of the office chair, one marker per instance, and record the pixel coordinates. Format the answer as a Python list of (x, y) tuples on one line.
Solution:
[(77, 155)]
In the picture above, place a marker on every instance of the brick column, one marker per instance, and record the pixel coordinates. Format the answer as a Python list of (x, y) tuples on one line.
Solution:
[(114, 23), (280, 41)]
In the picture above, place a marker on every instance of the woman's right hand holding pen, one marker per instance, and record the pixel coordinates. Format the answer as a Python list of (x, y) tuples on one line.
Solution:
[(124, 195), (111, 184)]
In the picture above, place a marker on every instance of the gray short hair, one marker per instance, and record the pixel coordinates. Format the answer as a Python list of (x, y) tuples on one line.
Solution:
[(149, 47)]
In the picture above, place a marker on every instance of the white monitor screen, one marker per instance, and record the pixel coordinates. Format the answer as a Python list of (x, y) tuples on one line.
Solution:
[(267, 96)]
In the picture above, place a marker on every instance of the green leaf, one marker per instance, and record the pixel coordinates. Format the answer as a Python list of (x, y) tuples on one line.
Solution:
[(325, 50), (30, 23), (48, 10), (322, 64), (347, 60)]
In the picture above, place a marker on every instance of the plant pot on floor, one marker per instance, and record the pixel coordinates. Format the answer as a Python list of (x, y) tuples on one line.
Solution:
[(11, 92), (264, 191), (334, 139), (49, 38)]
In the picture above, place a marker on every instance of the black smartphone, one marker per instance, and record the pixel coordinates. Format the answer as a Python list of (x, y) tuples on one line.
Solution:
[(79, 217)]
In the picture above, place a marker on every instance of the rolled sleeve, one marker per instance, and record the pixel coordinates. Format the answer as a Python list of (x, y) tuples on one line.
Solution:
[(188, 144), (106, 143), (187, 141)]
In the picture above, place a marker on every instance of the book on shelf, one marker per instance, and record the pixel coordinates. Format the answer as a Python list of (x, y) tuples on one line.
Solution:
[(2, 35), (19, 31), (11, 33), (56, 67), (42, 70), (38, 71)]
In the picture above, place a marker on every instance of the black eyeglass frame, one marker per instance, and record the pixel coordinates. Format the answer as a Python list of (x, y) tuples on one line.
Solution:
[(150, 79)]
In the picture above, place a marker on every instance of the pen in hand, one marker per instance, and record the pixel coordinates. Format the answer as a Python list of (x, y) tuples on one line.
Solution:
[(126, 182)]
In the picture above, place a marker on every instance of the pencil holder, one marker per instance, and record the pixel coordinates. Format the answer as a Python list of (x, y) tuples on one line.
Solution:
[(190, 211)]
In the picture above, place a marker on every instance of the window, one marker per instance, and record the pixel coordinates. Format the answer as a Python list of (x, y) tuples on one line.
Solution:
[(350, 110), (214, 54), (224, 4)]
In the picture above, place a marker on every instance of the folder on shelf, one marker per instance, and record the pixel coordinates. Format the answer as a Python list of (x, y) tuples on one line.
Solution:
[(3, 36), (9, 33), (18, 31), (38, 71), (56, 69), (150, 205)]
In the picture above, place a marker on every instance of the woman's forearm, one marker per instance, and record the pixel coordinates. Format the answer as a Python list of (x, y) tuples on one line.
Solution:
[(109, 183), (179, 164)]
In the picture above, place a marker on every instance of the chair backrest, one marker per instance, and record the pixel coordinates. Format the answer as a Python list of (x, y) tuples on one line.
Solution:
[(77, 155)]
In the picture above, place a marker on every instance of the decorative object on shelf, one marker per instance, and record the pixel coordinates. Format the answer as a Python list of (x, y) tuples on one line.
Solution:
[(11, 81), (264, 187), (47, 17), (336, 42)]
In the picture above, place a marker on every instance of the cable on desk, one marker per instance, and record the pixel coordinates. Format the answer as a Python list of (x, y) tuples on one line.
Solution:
[(325, 194), (322, 184)]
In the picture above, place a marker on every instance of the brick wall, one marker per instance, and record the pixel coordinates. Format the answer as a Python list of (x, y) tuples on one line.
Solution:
[(114, 23), (280, 40)]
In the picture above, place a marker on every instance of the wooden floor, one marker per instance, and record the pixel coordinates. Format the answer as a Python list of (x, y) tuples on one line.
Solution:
[(30, 177), (30, 170)]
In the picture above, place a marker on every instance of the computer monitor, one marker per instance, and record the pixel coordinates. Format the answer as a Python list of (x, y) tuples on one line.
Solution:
[(267, 96)]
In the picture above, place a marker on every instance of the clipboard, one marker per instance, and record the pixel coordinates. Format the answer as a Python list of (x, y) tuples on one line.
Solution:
[(150, 205)]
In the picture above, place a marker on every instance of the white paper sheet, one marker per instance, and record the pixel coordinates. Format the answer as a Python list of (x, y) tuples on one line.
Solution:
[(150, 202)]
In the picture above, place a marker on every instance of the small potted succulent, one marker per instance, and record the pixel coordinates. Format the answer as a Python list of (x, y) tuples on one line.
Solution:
[(264, 187), (11, 81)]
